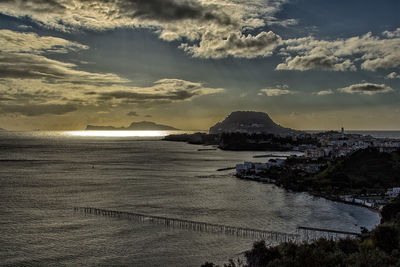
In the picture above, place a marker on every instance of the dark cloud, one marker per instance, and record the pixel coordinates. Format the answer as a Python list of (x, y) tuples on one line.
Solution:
[(208, 29), (5, 98), (369, 87), (38, 96), (91, 93), (366, 88), (28, 66), (31, 66), (132, 114), (170, 10), (157, 10), (132, 97), (37, 110)]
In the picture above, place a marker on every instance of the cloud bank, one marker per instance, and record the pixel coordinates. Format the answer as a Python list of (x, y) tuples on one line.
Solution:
[(21, 56), (33, 85), (213, 29), (209, 29), (341, 55)]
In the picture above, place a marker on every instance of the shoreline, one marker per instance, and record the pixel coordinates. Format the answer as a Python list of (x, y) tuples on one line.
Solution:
[(315, 194)]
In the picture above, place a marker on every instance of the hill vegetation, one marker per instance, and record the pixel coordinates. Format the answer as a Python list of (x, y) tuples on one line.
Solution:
[(363, 171), (260, 142)]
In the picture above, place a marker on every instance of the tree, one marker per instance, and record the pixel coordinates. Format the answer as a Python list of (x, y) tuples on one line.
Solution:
[(260, 255), (386, 238)]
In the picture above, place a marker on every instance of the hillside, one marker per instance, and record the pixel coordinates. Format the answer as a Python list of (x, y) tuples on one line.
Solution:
[(249, 122), (364, 169)]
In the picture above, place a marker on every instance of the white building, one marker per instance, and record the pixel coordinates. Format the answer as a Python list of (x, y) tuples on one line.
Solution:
[(314, 153), (393, 192), (261, 167)]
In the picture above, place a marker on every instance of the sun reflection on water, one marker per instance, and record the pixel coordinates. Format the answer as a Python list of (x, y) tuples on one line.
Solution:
[(118, 133)]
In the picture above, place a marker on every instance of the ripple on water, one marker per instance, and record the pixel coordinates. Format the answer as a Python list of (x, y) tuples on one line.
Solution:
[(155, 177)]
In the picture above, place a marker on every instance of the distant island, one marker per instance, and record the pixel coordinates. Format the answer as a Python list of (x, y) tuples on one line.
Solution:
[(1, 129), (134, 126)]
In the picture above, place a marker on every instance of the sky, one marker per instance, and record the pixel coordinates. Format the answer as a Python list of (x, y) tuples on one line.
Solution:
[(309, 64)]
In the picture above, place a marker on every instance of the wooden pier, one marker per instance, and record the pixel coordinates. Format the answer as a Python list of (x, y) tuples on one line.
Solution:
[(312, 233), (303, 233), (195, 225)]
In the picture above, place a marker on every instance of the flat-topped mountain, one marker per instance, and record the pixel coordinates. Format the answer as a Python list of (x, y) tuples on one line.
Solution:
[(249, 122), (1, 129), (135, 126)]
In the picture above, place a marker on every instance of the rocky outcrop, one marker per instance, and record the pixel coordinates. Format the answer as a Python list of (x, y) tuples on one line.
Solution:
[(249, 122)]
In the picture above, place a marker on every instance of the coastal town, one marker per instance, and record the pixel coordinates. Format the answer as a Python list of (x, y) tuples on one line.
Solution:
[(310, 159), (353, 168)]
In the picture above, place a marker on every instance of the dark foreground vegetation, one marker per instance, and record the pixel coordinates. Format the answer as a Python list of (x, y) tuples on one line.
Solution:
[(380, 247), (262, 142)]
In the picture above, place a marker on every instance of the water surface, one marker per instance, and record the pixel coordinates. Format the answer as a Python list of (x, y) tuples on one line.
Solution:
[(44, 175)]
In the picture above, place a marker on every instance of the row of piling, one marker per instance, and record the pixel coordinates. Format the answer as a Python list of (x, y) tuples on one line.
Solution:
[(303, 234), (309, 234), (194, 225)]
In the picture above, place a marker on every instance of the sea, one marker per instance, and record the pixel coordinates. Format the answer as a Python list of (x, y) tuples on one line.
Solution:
[(44, 175)]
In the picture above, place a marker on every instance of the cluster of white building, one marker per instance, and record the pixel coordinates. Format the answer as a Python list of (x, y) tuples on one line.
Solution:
[(249, 168), (335, 144), (252, 170), (372, 201), (331, 145)]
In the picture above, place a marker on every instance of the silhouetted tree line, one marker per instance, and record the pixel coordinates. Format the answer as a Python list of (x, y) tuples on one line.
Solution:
[(271, 142), (244, 141)]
